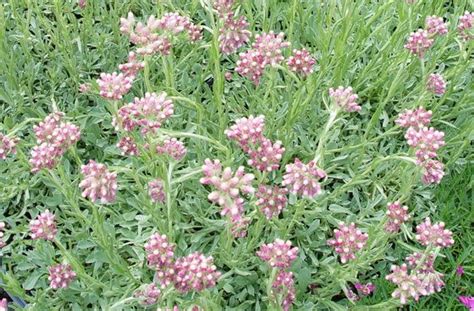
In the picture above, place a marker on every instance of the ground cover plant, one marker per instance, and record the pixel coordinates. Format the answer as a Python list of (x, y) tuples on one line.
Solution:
[(236, 155)]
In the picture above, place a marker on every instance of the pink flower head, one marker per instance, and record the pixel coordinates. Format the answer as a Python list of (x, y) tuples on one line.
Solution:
[(409, 285), (432, 281), (271, 200), (436, 84), (302, 179), (82, 4), (348, 239), (460, 271), (239, 225), (397, 215), (247, 131), (128, 146), (436, 26), (85, 87), (279, 254), (44, 156), (467, 301), (147, 113), (301, 62), (160, 256), (43, 227), (54, 131), (98, 183), (419, 42), (251, 64), (435, 234), (345, 98), (223, 7), (465, 25), (7, 146), (133, 66), (364, 289), (173, 148), (114, 86), (416, 118), (174, 23), (148, 295), (433, 172), (60, 276), (195, 272), (233, 34), (2, 228), (156, 191), (284, 284), (426, 140), (3, 304), (270, 45), (266, 156)]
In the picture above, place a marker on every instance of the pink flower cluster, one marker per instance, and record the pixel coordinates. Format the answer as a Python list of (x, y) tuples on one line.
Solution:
[(248, 133), (133, 66), (279, 254), (173, 148), (98, 183), (436, 84), (397, 215), (345, 98), (160, 256), (61, 276), (465, 25), (3, 304), (266, 51), (284, 284), (114, 85), (128, 146), (364, 289), (409, 285), (303, 179), (436, 26), (195, 272), (44, 226), (2, 228), (7, 146), (228, 187), (426, 142), (348, 239), (234, 33), (419, 42), (271, 200), (147, 113), (148, 295), (223, 7), (156, 191), (434, 234), (301, 62), (54, 137)]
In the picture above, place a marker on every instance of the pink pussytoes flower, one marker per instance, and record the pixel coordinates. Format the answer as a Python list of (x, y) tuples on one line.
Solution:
[(467, 301), (301, 62), (233, 34), (436, 26), (2, 229), (270, 45), (3, 304), (397, 215), (239, 225), (364, 289), (271, 200), (156, 191), (128, 146), (421, 263), (426, 141), (279, 254), (247, 131), (160, 256), (61, 276), (173, 148), (409, 285), (147, 113), (345, 98), (419, 42), (436, 84), (98, 182), (114, 86), (423, 266), (434, 234), (7, 146), (303, 179), (348, 239), (284, 284), (43, 227), (132, 66), (85, 88), (223, 7), (465, 25), (44, 156), (195, 272), (416, 118), (459, 271), (251, 64), (175, 23), (433, 172), (266, 155), (54, 131), (148, 295)]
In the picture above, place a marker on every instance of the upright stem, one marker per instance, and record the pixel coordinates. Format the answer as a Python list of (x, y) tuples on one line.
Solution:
[(146, 73), (322, 139), (169, 206)]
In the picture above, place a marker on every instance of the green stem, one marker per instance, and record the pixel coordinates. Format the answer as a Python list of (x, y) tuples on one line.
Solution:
[(324, 136), (146, 74), (169, 205)]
